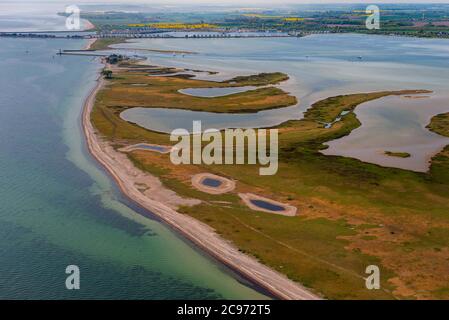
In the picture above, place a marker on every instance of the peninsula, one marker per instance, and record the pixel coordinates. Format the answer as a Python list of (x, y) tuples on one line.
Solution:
[(337, 218)]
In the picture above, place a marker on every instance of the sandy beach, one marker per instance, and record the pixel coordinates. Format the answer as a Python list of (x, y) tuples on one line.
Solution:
[(88, 25), (148, 192), (89, 43)]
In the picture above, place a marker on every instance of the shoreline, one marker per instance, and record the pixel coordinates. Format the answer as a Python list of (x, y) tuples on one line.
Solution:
[(89, 43), (200, 234)]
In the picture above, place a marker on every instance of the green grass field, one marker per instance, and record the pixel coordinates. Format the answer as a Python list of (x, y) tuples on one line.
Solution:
[(104, 43)]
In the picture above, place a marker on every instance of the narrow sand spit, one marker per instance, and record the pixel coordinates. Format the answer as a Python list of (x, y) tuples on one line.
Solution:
[(225, 186), (163, 203), (288, 211)]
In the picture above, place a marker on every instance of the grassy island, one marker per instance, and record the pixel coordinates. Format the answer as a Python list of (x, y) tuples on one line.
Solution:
[(440, 124), (136, 89), (440, 163), (259, 79), (398, 154)]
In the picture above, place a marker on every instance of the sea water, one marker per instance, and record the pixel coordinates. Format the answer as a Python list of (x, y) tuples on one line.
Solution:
[(58, 208)]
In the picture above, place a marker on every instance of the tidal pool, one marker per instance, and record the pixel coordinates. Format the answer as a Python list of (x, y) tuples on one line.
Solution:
[(211, 182), (338, 119), (267, 205), (150, 147)]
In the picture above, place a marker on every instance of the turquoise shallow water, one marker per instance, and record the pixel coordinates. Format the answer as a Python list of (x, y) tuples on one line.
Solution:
[(58, 208)]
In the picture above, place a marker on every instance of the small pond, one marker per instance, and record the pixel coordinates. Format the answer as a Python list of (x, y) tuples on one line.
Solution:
[(267, 205), (214, 183), (150, 147)]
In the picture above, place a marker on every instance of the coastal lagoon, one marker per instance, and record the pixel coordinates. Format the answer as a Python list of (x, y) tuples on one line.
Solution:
[(215, 92), (167, 120), (59, 208), (319, 66), (402, 119)]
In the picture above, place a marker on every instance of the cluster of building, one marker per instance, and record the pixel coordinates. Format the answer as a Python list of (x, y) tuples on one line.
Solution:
[(41, 35), (204, 34)]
